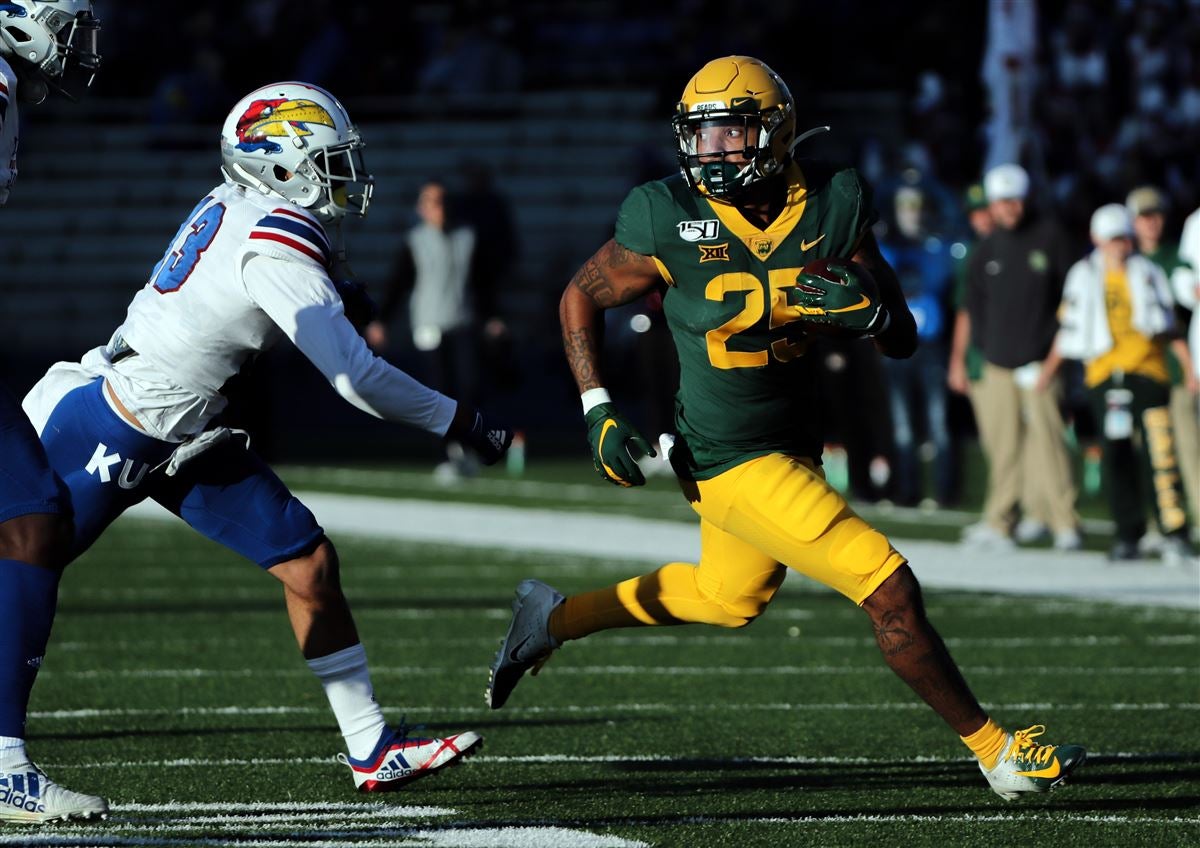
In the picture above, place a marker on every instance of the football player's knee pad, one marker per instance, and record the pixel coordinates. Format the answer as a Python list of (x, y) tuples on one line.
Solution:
[(740, 608), (742, 613), (856, 547)]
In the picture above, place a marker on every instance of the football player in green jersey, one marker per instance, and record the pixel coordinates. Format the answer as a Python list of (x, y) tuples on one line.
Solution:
[(729, 240)]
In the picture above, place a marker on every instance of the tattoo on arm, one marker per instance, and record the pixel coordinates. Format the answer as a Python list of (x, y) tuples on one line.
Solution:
[(582, 356), (593, 281), (614, 276)]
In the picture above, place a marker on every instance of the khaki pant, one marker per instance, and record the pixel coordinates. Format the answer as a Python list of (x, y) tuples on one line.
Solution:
[(1030, 506), (1185, 422), (1028, 467)]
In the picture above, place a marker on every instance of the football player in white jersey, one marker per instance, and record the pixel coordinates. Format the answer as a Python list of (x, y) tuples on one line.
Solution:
[(250, 264), (44, 45)]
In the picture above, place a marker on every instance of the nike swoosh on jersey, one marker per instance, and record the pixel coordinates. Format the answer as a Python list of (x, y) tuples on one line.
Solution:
[(805, 245), (862, 304), (1052, 770)]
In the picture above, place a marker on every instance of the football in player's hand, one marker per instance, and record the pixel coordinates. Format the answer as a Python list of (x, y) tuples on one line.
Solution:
[(836, 297)]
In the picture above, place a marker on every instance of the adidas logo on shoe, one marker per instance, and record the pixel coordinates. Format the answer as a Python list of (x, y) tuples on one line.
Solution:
[(28, 796), (396, 769), (22, 792), (398, 760)]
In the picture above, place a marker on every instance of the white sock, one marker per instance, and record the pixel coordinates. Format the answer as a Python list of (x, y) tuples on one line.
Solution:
[(12, 751), (347, 683)]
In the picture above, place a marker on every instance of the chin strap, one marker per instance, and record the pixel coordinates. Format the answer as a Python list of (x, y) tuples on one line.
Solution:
[(245, 178), (805, 135)]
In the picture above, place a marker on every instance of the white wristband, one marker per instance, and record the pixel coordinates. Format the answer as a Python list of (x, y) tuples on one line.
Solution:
[(593, 398)]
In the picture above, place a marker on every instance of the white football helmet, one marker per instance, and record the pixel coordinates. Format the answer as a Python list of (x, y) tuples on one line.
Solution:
[(57, 39), (295, 141)]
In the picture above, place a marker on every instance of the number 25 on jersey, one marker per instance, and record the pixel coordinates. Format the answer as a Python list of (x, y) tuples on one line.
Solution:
[(719, 355)]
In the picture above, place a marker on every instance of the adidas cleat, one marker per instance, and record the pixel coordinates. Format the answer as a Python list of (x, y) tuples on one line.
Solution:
[(528, 643), (28, 796), (398, 760), (1026, 766)]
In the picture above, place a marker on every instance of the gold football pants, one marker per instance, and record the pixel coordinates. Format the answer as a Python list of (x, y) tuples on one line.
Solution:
[(756, 520)]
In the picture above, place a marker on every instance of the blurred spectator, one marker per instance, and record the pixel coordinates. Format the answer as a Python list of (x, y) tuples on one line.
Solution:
[(855, 415), (1153, 59), (917, 386), (189, 97), (1009, 75), (473, 56), (965, 365), (938, 120), (1116, 317), (497, 248), (325, 41), (1014, 284), (1189, 251), (436, 264), (1148, 208)]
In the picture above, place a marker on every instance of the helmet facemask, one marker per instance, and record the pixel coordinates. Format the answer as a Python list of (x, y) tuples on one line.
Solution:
[(712, 172), (54, 48), (78, 56), (341, 176), (728, 94)]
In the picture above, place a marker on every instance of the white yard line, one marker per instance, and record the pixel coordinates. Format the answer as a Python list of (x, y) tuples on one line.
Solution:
[(537, 836), (938, 564), (739, 640), (225, 807), (441, 709), (480, 760), (939, 818), (622, 670)]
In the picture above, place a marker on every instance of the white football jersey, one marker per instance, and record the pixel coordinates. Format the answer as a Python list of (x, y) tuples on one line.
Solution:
[(1189, 251), (8, 129), (243, 270)]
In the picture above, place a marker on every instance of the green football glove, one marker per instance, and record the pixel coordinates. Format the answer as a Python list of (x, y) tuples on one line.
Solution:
[(616, 446), (837, 296)]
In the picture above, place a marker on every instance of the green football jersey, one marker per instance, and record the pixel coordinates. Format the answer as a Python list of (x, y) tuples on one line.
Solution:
[(746, 387)]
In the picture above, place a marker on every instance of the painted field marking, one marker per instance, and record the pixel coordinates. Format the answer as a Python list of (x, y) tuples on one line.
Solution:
[(575, 709), (100, 645), (633, 759), (283, 806), (620, 670), (533, 836)]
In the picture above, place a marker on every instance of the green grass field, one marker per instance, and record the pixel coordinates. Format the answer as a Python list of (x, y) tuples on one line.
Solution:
[(172, 686)]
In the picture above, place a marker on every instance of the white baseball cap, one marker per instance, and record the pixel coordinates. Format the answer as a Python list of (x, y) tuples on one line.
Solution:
[(1006, 182), (1111, 221)]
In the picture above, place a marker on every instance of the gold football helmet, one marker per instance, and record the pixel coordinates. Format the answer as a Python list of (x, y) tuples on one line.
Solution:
[(734, 91)]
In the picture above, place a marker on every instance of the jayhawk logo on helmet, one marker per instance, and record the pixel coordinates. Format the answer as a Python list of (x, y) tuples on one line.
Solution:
[(266, 118)]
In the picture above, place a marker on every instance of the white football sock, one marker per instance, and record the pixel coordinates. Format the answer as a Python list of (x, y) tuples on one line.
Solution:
[(347, 683), (12, 752)]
